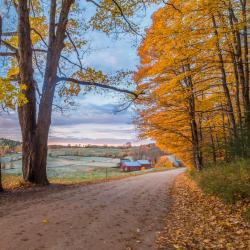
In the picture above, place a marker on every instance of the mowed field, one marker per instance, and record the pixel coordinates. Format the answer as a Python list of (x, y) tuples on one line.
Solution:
[(72, 165)]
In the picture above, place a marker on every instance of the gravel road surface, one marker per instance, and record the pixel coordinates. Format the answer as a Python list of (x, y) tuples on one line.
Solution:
[(116, 215)]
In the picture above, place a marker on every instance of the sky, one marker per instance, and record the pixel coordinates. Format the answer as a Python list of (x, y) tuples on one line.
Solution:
[(95, 120)]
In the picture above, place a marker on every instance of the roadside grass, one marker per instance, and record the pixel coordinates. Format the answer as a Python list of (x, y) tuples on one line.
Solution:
[(12, 181), (15, 181), (228, 181)]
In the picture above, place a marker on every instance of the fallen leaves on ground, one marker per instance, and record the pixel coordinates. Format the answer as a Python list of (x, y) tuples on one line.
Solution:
[(197, 221), (45, 221), (11, 182)]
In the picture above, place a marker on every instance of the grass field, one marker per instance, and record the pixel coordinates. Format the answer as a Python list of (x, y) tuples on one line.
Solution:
[(13, 181), (72, 166), (62, 165)]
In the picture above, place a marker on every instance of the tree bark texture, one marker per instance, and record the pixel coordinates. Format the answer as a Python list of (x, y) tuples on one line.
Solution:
[(35, 127)]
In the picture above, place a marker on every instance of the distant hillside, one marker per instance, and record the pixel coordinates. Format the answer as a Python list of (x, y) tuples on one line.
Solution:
[(149, 151), (9, 143)]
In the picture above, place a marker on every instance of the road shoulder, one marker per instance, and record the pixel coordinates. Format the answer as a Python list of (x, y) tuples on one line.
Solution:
[(197, 221)]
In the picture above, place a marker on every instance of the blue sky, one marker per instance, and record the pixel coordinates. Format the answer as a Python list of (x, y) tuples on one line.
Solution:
[(94, 121)]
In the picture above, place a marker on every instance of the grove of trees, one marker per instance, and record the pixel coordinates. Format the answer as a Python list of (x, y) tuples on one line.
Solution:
[(194, 73), (192, 90)]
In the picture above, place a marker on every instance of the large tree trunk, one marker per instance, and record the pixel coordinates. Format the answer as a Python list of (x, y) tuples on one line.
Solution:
[(224, 132), (246, 58), (226, 91), (56, 44), (196, 138), (35, 130), (39, 172), (27, 120), (246, 97), (197, 156), (27, 113), (236, 61), (42, 133), (241, 55), (212, 145), (237, 87)]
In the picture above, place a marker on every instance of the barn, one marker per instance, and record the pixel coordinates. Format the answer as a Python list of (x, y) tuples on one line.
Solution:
[(145, 163), (128, 166), (124, 160)]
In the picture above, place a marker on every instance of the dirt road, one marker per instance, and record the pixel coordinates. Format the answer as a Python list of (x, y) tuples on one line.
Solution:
[(121, 214)]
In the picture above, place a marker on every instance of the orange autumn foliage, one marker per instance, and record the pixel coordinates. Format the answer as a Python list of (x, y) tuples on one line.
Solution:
[(191, 103)]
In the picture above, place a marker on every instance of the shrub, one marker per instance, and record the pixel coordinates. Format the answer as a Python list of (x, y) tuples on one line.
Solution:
[(228, 181), (164, 162)]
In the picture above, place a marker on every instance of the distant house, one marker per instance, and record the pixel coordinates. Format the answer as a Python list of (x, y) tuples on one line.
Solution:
[(145, 163), (124, 160), (177, 163), (169, 161), (129, 166)]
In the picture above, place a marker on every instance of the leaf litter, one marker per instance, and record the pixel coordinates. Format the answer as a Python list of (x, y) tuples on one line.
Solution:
[(198, 221)]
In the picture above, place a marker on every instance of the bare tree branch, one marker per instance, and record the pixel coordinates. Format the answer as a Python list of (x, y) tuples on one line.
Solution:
[(172, 5), (13, 33), (121, 13), (99, 85), (125, 106), (32, 29), (7, 54), (9, 46), (95, 3), (125, 18), (64, 57), (76, 50), (40, 71)]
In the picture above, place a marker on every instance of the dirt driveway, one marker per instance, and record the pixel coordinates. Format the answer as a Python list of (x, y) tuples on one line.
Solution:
[(121, 214)]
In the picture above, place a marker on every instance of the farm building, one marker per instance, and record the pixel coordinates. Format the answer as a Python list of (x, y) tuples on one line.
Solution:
[(169, 161), (124, 160), (134, 165), (130, 166), (145, 163), (177, 163)]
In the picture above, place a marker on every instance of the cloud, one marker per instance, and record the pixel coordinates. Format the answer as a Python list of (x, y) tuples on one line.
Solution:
[(93, 114), (95, 131), (95, 120), (9, 126), (111, 55), (84, 141), (92, 123)]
